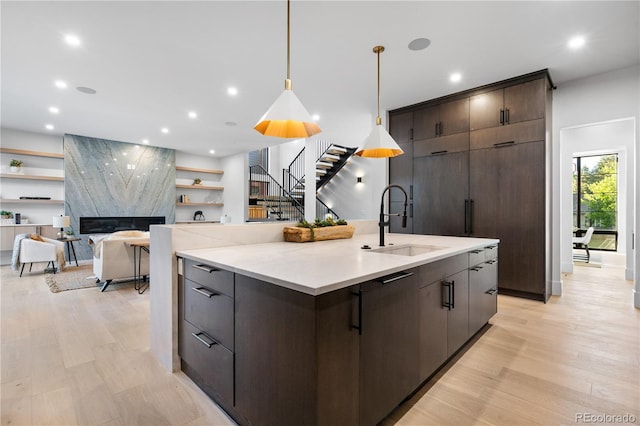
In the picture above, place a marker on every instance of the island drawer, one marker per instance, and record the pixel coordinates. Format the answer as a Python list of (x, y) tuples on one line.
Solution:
[(210, 311), (439, 270), (212, 362), (211, 277), (491, 252)]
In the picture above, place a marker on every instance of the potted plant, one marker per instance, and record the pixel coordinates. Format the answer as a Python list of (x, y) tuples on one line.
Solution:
[(197, 181), (319, 230), (15, 165), (5, 214)]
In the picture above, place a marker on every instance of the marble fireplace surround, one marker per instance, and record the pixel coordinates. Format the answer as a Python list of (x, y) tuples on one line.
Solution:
[(167, 239)]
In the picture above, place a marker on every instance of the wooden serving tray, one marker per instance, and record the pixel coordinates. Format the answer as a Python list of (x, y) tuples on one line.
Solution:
[(294, 234)]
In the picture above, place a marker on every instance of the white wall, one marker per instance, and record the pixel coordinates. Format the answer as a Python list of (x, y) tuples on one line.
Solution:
[(15, 188), (597, 99), (236, 189)]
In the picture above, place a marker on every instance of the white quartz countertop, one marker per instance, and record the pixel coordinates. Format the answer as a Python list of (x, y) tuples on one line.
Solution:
[(323, 266)]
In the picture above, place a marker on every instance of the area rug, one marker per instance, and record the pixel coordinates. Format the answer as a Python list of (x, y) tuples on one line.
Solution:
[(71, 278)]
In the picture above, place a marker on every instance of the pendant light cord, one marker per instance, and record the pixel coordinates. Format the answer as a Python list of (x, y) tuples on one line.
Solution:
[(287, 83), (378, 50)]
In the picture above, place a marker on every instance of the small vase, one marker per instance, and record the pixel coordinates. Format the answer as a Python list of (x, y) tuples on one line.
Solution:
[(15, 169)]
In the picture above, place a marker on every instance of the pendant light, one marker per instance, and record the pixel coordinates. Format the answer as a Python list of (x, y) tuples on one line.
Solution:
[(287, 117), (379, 143)]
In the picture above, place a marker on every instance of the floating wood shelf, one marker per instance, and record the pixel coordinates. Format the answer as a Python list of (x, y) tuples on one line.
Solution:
[(200, 204), (18, 201), (31, 177), (31, 153), (213, 188), (194, 169)]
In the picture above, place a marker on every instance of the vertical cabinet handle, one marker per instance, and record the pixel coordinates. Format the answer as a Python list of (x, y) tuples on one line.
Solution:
[(448, 302), (359, 326), (411, 210), (506, 115), (436, 129), (411, 192), (466, 216), (501, 116), (470, 217)]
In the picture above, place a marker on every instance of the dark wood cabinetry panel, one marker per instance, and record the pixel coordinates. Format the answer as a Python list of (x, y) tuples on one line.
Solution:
[(395, 222), (443, 145), (454, 117), (525, 101), (389, 353), (401, 172), (521, 218), (527, 131), (483, 192), (275, 343), (433, 329), (441, 185), (401, 126), (425, 121), (458, 316), (483, 294), (484, 109)]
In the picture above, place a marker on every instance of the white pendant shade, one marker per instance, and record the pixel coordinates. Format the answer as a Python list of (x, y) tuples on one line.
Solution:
[(379, 144), (287, 118)]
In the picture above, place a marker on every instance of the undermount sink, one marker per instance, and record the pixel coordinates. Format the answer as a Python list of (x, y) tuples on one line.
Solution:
[(408, 249)]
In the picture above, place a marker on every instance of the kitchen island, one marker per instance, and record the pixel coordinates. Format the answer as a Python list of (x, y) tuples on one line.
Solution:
[(327, 332)]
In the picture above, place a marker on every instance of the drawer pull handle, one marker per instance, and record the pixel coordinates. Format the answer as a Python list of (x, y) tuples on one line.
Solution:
[(503, 144), (491, 262), (491, 247), (204, 342), (476, 251), (391, 278), (476, 268), (203, 291), (491, 291), (208, 269), (439, 152)]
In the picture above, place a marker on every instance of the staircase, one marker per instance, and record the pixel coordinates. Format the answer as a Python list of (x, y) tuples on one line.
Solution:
[(331, 159), (268, 200)]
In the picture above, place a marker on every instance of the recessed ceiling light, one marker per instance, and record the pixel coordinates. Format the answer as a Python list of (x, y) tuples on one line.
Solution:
[(145, 141), (164, 130), (315, 117), (193, 114), (49, 127), (87, 90), (232, 91), (61, 84), (455, 77), (419, 44), (72, 40), (576, 42), (211, 151), (54, 110)]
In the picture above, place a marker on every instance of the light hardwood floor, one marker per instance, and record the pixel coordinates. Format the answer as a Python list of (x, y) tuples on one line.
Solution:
[(81, 358)]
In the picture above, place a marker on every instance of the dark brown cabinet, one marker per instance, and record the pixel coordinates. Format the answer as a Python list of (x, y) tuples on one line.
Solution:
[(389, 365), (456, 300), (483, 289), (401, 172), (512, 104), (442, 119), (433, 329), (490, 180), (440, 194)]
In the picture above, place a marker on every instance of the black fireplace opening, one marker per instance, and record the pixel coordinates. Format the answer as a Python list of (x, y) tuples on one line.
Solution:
[(107, 225)]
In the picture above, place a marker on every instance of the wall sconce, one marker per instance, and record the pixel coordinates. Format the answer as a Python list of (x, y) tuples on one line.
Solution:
[(359, 179)]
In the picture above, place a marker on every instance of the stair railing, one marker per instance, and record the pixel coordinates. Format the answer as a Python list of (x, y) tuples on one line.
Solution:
[(263, 186)]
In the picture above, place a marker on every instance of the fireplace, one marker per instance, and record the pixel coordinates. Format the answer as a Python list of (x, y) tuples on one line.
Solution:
[(107, 225)]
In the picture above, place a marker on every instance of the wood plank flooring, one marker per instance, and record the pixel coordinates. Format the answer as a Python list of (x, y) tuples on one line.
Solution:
[(81, 358)]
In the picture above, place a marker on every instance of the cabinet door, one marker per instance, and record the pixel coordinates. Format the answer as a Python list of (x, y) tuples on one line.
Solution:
[(483, 192), (458, 315), (483, 294), (454, 117), (440, 187), (433, 329), (425, 121), (525, 101), (521, 217), (389, 353), (484, 109), (401, 167)]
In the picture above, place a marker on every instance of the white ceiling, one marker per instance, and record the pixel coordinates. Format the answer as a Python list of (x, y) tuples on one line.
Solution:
[(153, 61)]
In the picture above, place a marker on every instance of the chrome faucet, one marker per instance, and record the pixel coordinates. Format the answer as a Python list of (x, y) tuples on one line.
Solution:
[(382, 223)]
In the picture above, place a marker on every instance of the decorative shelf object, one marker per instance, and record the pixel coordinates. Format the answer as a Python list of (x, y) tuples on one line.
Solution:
[(200, 204), (197, 170), (295, 234), (213, 188), (30, 153), (31, 177)]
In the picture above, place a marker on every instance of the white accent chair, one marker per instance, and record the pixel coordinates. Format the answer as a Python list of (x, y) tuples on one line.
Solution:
[(583, 243), (48, 250), (113, 259)]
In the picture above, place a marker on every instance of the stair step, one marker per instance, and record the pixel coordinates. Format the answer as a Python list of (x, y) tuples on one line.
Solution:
[(333, 149), (320, 172), (324, 165), (330, 157)]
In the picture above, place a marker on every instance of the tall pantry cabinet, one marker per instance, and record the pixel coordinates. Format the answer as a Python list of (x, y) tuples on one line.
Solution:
[(476, 166)]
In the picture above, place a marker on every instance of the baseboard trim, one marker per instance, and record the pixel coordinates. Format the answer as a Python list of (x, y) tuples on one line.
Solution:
[(556, 288), (636, 298), (628, 274)]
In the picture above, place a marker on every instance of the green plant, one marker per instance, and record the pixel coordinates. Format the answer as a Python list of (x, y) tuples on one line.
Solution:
[(318, 223), (197, 181), (15, 163), (69, 232), (6, 213)]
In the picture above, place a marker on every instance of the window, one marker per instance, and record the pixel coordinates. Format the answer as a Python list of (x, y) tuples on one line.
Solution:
[(595, 199)]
